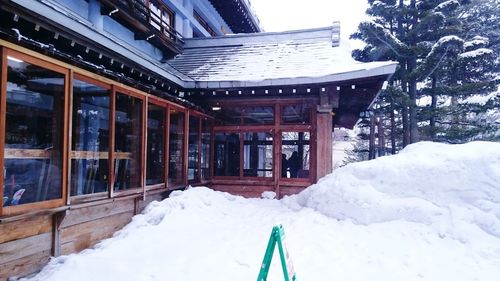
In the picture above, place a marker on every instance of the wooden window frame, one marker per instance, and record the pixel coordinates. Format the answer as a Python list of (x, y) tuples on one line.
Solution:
[(210, 150), (197, 179), (204, 23), (71, 72), (312, 155), (201, 117), (142, 177), (166, 106), (183, 181), (242, 158), (276, 128), (53, 203), (92, 196)]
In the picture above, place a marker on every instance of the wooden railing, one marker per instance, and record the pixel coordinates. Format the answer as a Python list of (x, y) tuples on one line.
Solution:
[(150, 20)]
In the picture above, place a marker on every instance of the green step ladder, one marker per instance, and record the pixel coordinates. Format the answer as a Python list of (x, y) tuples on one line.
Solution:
[(277, 237)]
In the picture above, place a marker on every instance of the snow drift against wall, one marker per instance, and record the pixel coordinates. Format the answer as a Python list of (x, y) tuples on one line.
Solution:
[(455, 188), (431, 212)]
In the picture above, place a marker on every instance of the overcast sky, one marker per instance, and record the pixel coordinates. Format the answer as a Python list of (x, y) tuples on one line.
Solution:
[(280, 15)]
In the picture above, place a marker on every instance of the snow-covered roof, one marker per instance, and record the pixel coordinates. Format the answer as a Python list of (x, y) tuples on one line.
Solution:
[(268, 59), (310, 56)]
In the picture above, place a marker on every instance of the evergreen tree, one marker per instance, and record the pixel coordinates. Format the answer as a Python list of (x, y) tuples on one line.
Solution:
[(447, 58)]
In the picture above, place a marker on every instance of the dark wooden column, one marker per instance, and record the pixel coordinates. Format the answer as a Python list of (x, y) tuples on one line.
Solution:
[(329, 100), (323, 144)]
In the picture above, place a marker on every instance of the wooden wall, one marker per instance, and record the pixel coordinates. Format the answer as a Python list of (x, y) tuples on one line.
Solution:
[(254, 190), (28, 241)]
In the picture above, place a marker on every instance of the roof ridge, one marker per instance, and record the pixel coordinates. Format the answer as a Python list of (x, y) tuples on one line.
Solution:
[(330, 33)]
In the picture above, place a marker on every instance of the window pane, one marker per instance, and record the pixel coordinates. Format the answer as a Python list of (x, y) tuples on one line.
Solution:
[(33, 133), (258, 115), (229, 115), (176, 147), (128, 134), (296, 114), (258, 154), (232, 115), (193, 148), (205, 149), (155, 173), (227, 154), (90, 138), (295, 162)]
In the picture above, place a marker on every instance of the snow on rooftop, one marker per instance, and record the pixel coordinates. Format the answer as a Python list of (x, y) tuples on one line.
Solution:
[(431, 212), (268, 56)]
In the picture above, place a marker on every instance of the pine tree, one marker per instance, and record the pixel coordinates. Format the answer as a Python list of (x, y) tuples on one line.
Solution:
[(446, 59)]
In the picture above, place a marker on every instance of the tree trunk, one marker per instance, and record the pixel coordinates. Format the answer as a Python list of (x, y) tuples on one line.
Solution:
[(393, 127), (404, 85), (412, 92), (432, 120), (371, 147)]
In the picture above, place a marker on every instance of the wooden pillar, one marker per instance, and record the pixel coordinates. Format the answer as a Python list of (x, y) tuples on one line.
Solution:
[(328, 101), (57, 220), (323, 144)]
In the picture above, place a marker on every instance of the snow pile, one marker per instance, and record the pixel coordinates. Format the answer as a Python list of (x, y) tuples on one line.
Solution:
[(430, 213), (454, 188)]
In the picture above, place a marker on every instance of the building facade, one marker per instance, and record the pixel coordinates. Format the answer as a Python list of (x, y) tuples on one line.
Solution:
[(107, 105)]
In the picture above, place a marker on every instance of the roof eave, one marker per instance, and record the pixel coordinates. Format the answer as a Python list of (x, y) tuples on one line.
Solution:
[(332, 78)]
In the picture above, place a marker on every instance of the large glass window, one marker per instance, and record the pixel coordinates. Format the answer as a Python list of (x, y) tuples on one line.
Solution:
[(90, 138), (295, 158), (258, 154), (176, 147), (193, 148), (155, 173), (227, 154), (33, 133), (206, 134), (128, 137)]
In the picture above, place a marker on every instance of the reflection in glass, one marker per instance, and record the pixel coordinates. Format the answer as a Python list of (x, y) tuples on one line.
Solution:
[(227, 154), (233, 115), (128, 134), (155, 173), (258, 115), (90, 138), (206, 129), (193, 148), (295, 149), (33, 133), (258, 154), (176, 147), (296, 114)]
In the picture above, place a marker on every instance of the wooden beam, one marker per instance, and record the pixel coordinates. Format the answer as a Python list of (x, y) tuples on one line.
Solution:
[(57, 220), (3, 108)]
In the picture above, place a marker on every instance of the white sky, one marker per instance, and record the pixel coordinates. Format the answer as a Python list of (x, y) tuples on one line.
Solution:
[(281, 15)]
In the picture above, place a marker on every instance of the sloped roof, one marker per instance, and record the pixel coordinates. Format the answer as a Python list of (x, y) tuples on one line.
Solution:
[(266, 59)]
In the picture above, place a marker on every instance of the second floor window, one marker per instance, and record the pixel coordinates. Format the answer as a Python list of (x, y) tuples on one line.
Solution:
[(204, 23)]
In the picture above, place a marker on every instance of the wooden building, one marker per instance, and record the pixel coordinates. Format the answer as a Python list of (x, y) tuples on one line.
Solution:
[(108, 105)]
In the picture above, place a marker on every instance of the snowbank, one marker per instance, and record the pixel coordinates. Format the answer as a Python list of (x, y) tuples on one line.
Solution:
[(452, 187), (430, 213)]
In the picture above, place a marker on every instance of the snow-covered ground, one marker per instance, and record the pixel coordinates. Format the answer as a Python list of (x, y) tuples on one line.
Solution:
[(431, 212)]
